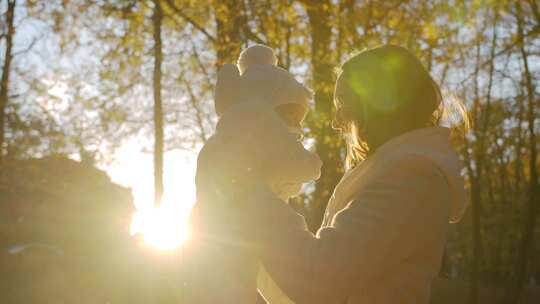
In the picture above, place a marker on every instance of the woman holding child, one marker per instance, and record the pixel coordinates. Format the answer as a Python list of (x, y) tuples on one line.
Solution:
[(385, 226)]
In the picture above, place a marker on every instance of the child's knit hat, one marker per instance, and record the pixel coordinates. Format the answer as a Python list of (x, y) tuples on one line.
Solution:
[(256, 77)]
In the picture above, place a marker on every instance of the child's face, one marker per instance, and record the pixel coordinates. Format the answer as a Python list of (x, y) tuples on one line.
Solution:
[(253, 136), (291, 166), (292, 114), (285, 190), (292, 172), (288, 160)]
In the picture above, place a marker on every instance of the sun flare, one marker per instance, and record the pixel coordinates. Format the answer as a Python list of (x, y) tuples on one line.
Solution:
[(163, 227)]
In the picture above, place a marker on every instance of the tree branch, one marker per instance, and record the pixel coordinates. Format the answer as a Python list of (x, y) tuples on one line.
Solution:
[(29, 47), (190, 20)]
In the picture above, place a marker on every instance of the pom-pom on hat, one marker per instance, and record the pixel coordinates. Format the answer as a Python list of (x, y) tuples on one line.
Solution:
[(257, 54), (258, 78)]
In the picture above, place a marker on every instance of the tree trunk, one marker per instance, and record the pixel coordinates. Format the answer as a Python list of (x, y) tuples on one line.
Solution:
[(157, 19), (229, 22), (327, 140), (479, 154), (4, 84), (474, 177), (525, 246)]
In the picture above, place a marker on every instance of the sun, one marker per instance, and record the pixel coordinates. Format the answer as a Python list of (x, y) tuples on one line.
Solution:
[(164, 227)]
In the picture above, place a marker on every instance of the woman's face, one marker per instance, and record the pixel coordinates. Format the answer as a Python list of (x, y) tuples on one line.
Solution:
[(345, 101)]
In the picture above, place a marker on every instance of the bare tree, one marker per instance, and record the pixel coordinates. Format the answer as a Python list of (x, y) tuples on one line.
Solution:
[(157, 19), (4, 82), (320, 21), (525, 246)]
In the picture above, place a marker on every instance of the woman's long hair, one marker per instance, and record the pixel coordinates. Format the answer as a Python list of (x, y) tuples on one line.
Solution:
[(391, 81)]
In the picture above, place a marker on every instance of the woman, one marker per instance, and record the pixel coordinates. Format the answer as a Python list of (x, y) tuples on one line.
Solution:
[(385, 227)]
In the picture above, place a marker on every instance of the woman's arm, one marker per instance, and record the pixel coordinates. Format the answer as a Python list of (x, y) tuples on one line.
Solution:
[(366, 238)]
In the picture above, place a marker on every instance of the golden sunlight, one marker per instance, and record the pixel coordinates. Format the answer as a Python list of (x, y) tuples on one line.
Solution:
[(163, 227)]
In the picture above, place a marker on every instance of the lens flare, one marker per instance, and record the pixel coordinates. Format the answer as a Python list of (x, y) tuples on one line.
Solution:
[(164, 227)]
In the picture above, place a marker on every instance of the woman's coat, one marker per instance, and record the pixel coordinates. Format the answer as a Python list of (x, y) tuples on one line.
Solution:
[(384, 231)]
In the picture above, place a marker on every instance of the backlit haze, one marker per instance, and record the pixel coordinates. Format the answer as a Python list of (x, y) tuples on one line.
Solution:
[(162, 228), (165, 227)]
